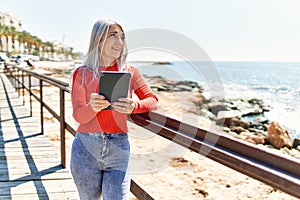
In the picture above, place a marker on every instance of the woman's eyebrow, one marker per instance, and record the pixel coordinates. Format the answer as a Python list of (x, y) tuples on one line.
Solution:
[(113, 32)]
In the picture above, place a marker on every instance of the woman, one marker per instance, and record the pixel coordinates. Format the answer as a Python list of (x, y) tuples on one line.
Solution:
[(100, 150)]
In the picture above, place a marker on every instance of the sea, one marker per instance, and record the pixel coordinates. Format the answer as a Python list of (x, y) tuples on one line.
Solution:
[(276, 83)]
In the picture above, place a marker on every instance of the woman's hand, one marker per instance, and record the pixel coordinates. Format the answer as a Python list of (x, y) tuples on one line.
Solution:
[(124, 105), (98, 102)]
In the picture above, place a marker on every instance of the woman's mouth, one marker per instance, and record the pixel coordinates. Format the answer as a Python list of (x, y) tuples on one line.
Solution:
[(116, 49)]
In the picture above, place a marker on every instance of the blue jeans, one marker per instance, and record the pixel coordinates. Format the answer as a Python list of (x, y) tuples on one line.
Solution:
[(99, 165)]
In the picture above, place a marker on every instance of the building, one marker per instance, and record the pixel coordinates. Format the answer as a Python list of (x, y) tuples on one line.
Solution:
[(10, 44), (7, 19)]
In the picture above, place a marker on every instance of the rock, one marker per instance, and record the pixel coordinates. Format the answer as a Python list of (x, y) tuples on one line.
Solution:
[(251, 111), (290, 152), (202, 191), (238, 107), (258, 139), (238, 129), (252, 138), (198, 98), (223, 114), (257, 126), (180, 162), (278, 136), (230, 122), (241, 137), (256, 101), (181, 88), (260, 103), (216, 108), (208, 114), (296, 142), (261, 120), (161, 63), (224, 117), (159, 88), (259, 132), (226, 129), (234, 134), (159, 83)]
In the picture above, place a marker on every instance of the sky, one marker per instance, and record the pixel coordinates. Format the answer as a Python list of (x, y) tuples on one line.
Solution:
[(227, 30)]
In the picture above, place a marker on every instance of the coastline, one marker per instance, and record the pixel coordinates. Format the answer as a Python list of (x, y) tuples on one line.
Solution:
[(193, 176)]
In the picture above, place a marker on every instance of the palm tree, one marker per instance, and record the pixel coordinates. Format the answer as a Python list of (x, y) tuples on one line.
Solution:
[(6, 33), (1, 35), (37, 42), (49, 48), (22, 37), (32, 44), (13, 33)]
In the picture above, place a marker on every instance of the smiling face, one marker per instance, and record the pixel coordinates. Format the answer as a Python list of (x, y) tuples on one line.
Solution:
[(113, 45)]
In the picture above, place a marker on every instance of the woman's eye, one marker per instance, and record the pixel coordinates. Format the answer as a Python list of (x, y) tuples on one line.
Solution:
[(117, 36)]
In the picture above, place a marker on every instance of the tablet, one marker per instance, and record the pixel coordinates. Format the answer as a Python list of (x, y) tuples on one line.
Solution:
[(114, 85)]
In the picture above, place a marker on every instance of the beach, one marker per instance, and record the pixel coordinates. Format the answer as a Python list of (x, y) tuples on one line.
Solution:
[(164, 169)]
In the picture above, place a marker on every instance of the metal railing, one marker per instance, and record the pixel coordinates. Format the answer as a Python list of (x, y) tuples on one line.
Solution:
[(17, 75), (277, 170)]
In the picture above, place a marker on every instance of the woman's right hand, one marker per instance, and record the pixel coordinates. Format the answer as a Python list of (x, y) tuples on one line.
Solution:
[(98, 102)]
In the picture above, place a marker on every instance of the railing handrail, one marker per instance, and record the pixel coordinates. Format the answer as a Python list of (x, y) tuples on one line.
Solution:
[(276, 170)]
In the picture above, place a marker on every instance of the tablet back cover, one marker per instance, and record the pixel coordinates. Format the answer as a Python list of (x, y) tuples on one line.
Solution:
[(114, 85)]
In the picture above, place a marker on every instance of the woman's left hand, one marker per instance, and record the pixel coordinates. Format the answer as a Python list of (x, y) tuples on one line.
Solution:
[(124, 105)]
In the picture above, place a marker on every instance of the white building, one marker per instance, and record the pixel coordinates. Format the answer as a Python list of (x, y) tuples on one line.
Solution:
[(7, 19)]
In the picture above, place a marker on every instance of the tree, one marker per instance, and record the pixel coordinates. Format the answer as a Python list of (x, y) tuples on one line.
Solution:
[(23, 38), (1, 35), (32, 44), (36, 43), (6, 35), (13, 33)]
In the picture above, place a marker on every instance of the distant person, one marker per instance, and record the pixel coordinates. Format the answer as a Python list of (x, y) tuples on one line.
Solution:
[(100, 150), (29, 63)]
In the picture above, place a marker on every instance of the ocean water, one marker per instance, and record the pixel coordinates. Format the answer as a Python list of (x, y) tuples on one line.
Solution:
[(277, 83)]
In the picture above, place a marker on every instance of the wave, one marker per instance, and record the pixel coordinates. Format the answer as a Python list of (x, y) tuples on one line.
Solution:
[(274, 89)]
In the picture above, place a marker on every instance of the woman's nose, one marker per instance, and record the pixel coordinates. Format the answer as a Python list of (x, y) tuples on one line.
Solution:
[(119, 39)]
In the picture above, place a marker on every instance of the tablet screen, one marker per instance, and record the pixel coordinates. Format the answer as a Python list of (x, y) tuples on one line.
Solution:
[(114, 85)]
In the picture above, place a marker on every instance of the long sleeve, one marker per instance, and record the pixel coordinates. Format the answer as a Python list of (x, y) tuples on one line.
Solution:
[(147, 99), (82, 110)]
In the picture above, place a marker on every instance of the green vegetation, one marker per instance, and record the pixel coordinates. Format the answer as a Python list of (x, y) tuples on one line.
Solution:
[(31, 44)]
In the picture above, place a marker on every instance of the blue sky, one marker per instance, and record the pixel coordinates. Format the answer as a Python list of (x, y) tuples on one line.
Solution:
[(227, 30)]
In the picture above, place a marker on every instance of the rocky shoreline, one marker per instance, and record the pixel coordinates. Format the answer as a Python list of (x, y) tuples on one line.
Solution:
[(231, 114), (184, 176)]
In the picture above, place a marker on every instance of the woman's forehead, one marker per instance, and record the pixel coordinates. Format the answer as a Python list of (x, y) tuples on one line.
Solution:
[(115, 28)]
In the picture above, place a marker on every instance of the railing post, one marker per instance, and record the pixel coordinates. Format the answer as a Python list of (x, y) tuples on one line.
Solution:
[(23, 88), (30, 97), (14, 77), (18, 82), (62, 129), (5, 68), (41, 106)]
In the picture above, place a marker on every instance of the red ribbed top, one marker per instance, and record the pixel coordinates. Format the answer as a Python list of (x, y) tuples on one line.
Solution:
[(107, 121)]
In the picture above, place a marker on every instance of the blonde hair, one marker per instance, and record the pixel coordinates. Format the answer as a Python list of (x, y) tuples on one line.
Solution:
[(93, 58)]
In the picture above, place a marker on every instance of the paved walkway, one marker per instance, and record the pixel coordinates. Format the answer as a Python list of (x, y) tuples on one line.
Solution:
[(29, 166)]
